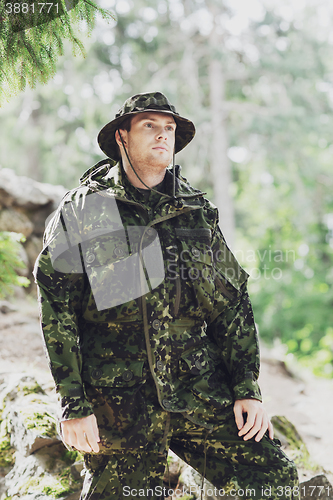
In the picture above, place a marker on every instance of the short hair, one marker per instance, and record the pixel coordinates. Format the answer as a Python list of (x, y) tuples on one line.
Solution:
[(126, 124)]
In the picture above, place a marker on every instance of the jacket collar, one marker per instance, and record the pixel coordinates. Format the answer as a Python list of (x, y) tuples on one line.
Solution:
[(109, 175)]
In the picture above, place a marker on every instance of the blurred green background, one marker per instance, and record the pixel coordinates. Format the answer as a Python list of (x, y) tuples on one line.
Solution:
[(256, 77)]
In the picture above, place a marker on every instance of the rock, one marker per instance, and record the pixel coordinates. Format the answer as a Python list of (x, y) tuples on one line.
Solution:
[(76, 469), (28, 415), (286, 432), (32, 424), (6, 307), (25, 192), (25, 204), (16, 385), (33, 247), (317, 488), (15, 221), (172, 471), (33, 459), (44, 475), (38, 218)]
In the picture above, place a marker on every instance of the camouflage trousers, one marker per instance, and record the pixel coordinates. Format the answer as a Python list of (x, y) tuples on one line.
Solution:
[(242, 469)]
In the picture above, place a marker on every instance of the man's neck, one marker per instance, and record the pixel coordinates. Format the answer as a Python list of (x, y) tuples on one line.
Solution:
[(151, 179)]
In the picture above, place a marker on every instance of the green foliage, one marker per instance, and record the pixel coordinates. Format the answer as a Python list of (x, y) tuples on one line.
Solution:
[(10, 261), (29, 56)]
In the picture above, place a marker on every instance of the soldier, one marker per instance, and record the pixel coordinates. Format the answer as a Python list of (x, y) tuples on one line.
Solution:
[(148, 325)]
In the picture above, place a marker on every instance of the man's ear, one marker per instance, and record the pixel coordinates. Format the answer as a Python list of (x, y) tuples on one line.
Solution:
[(123, 135)]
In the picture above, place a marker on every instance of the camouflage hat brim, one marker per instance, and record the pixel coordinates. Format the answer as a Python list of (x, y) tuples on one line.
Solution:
[(141, 103)]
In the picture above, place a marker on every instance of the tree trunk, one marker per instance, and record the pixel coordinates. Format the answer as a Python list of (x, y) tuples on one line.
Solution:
[(220, 164)]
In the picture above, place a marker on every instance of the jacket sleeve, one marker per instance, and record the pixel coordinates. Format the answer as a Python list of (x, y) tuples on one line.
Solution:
[(60, 296), (233, 327)]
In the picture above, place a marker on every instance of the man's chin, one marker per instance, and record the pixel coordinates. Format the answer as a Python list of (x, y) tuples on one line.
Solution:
[(159, 163)]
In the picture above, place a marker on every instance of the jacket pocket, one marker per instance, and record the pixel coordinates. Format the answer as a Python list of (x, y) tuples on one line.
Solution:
[(196, 265), (197, 362), (229, 275), (214, 273), (202, 373), (113, 372)]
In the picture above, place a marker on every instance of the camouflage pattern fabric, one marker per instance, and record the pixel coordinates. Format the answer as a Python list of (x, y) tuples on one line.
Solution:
[(251, 470), (198, 323), (190, 340), (140, 103)]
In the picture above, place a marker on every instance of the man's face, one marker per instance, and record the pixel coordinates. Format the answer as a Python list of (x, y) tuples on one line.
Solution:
[(151, 140)]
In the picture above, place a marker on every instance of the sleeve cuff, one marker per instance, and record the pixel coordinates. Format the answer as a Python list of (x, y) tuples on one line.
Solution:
[(73, 402), (75, 407), (248, 388)]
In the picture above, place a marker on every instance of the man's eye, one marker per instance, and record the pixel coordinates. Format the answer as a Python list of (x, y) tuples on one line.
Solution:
[(150, 125)]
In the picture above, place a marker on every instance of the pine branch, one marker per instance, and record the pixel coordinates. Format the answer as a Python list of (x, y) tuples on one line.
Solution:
[(29, 56)]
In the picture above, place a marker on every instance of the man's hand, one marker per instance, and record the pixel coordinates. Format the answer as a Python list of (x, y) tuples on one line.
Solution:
[(257, 421), (81, 433)]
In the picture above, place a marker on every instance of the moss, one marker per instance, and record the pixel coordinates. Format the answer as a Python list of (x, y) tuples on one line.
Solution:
[(33, 388), (42, 422), (25, 387), (297, 449), (69, 457), (54, 486), (7, 458)]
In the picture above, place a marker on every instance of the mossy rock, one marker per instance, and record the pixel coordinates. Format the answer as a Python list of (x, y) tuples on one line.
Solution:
[(7, 458), (7, 453), (47, 473), (16, 386), (290, 438), (32, 387), (54, 486), (36, 417), (32, 423)]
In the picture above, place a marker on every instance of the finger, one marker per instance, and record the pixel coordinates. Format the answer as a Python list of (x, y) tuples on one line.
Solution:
[(250, 420), (270, 430), (238, 411), (95, 429), (66, 435), (264, 426), (81, 442), (91, 440), (257, 424)]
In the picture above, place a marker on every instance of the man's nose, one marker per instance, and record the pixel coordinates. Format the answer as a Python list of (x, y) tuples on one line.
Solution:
[(161, 134)]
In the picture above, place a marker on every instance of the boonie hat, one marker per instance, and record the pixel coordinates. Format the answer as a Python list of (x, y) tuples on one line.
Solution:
[(140, 103)]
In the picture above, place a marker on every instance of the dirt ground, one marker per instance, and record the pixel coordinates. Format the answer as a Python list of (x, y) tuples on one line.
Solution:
[(305, 400)]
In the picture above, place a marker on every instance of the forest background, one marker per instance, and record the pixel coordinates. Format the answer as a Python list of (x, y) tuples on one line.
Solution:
[(256, 77)]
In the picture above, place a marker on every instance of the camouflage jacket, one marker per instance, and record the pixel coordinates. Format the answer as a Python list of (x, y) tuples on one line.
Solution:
[(134, 291)]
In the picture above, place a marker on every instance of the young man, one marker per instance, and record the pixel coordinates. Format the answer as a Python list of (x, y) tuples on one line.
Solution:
[(148, 324)]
